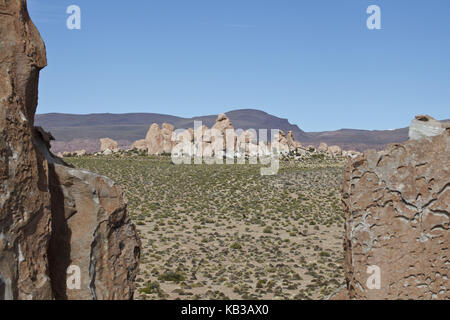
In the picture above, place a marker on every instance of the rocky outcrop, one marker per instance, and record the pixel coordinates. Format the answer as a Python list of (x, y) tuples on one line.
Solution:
[(25, 217), (335, 151), (160, 140), (51, 216), (168, 140), (108, 144), (323, 147), (396, 205), (222, 135), (425, 126), (91, 230), (154, 140)]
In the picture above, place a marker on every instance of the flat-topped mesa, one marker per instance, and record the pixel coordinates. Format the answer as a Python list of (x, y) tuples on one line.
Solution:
[(53, 218), (397, 212)]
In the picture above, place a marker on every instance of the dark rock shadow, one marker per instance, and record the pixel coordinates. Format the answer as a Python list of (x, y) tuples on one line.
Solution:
[(59, 248)]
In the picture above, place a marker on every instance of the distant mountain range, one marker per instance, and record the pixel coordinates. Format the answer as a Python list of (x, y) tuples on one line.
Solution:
[(75, 132)]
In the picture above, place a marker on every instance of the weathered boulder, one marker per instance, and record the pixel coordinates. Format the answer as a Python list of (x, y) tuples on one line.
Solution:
[(282, 142), (25, 217), (334, 151), (223, 123), (297, 145), (292, 144), (397, 209), (323, 147), (40, 194), (108, 144), (247, 143), (168, 138), (222, 134), (80, 153), (140, 145), (91, 230), (351, 153), (425, 126), (154, 140)]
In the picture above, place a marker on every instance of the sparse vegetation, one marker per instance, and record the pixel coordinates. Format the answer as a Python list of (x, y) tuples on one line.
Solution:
[(226, 232)]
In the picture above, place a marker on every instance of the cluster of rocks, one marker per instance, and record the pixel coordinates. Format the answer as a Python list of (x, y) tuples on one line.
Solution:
[(324, 151), (53, 218), (164, 139), (397, 211)]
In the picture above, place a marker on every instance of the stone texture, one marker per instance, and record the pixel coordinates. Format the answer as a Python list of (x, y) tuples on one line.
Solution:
[(222, 134), (283, 147), (80, 153), (93, 231), (247, 143), (396, 205), (168, 140), (425, 126), (108, 144), (334, 151), (25, 218), (140, 145), (51, 215), (323, 147), (160, 139), (290, 140), (154, 140)]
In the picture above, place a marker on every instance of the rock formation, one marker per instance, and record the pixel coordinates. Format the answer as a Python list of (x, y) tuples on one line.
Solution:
[(91, 230), (140, 145), (283, 146), (223, 123), (80, 153), (51, 216), (396, 205), (168, 141), (108, 144), (425, 126), (25, 217), (154, 140), (160, 140), (334, 151), (222, 134)]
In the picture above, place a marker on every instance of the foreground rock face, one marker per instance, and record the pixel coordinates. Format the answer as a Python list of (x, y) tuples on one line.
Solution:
[(140, 145), (396, 205), (51, 216), (108, 144)]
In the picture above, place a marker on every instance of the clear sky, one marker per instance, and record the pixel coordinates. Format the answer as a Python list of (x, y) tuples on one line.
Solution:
[(314, 62)]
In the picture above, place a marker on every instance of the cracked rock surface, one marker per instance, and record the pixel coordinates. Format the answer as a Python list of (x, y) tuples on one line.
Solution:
[(396, 205), (51, 216)]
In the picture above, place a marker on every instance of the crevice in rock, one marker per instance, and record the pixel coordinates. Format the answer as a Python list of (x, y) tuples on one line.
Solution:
[(59, 248)]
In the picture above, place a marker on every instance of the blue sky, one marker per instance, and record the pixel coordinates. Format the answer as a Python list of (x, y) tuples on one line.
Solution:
[(311, 61)]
